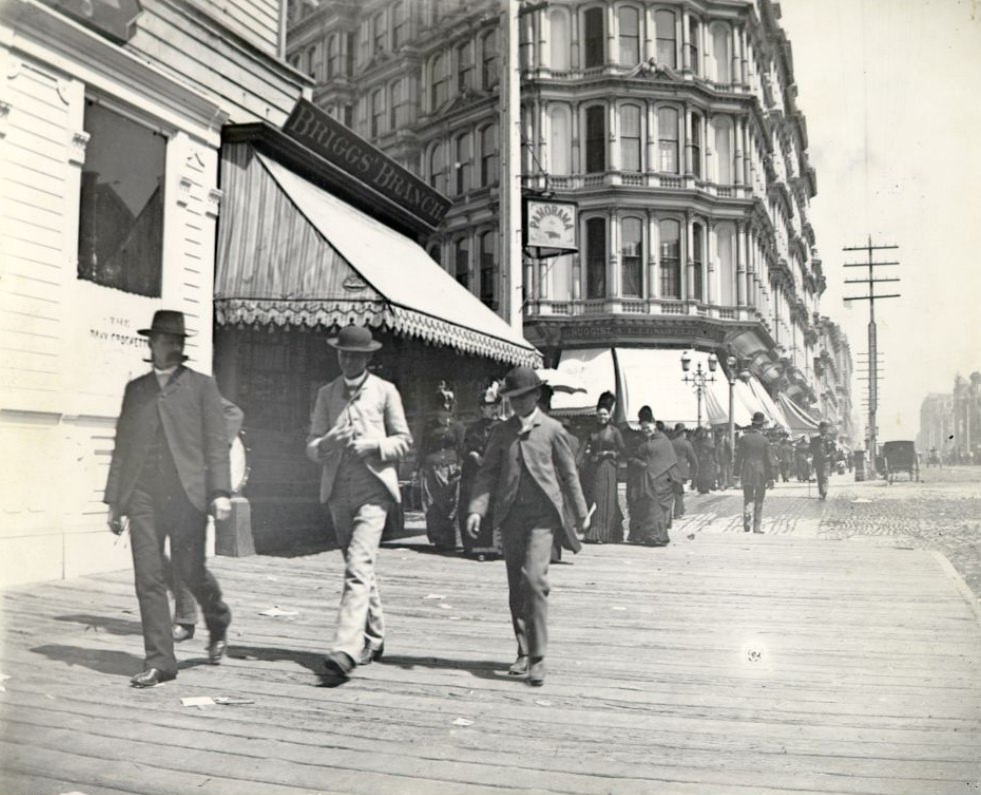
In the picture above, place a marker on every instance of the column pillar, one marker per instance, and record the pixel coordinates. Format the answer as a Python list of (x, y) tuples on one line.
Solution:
[(689, 238), (612, 51), (613, 138), (615, 289), (652, 164), (710, 280), (654, 238), (650, 34), (685, 50)]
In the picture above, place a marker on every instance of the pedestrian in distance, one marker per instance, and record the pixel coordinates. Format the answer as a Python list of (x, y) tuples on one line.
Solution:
[(822, 449), (600, 454), (440, 450), (656, 465), (487, 544), (529, 475), (757, 470), (169, 468), (687, 466), (358, 433)]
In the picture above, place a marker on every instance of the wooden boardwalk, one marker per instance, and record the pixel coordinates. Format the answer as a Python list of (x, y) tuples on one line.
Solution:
[(723, 664)]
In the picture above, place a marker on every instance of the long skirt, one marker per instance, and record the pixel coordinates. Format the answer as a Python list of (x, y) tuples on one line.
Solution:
[(606, 526), (440, 498), (654, 513), (705, 481)]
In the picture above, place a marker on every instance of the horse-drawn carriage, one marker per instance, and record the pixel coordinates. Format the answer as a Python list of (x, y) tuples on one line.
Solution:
[(900, 457)]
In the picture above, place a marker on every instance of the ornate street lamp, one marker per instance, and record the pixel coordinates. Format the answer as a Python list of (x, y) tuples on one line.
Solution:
[(698, 379)]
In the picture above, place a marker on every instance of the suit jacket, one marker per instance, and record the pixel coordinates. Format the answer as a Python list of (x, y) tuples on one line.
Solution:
[(687, 460), (754, 459), (194, 425), (550, 461), (375, 412)]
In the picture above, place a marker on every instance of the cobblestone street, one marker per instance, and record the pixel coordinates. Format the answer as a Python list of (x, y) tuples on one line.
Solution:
[(942, 513)]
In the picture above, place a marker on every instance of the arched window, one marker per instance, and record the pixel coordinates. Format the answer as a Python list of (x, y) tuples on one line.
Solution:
[(696, 144), (377, 112), (596, 258), (629, 20), (489, 169), (491, 64), (721, 58), (723, 150), (595, 139), (464, 163), (437, 167), (312, 65), (670, 258), (667, 38), (461, 261), (400, 24), (630, 146), (631, 257), (488, 269), (333, 56), (698, 260), (464, 58), (667, 140), (397, 116), (725, 237), (594, 35), (441, 82), (559, 40), (693, 53), (560, 139)]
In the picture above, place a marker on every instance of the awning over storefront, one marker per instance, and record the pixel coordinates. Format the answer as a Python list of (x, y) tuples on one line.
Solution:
[(652, 377), (800, 420), (592, 369), (292, 254), (773, 412)]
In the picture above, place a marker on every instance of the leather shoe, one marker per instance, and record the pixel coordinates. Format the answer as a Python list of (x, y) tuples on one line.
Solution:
[(151, 677), (536, 673), (183, 632), (368, 654), (519, 667), (338, 666), (217, 648)]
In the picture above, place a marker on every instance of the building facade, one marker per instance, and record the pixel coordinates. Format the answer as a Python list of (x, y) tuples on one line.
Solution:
[(950, 424), (110, 130), (674, 128)]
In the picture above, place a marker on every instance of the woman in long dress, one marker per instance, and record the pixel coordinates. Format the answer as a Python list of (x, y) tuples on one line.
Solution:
[(705, 451), (439, 451), (655, 467), (486, 545), (601, 452)]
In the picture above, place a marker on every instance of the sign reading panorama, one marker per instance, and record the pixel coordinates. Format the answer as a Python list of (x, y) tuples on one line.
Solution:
[(332, 140)]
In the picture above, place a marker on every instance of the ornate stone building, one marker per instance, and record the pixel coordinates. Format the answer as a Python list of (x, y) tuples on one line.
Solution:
[(674, 128)]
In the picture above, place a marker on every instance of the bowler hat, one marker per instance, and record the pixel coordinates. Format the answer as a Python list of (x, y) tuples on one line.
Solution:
[(166, 321), (354, 339), (519, 381), (759, 418)]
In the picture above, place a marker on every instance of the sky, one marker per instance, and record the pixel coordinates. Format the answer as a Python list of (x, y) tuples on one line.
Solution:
[(889, 89)]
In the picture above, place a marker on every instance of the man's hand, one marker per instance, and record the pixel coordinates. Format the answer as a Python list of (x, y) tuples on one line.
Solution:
[(115, 521), (472, 526), (221, 508), (364, 447), (585, 523), (336, 437)]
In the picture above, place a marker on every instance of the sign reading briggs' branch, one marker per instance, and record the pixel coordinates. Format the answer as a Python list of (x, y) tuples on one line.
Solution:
[(341, 146)]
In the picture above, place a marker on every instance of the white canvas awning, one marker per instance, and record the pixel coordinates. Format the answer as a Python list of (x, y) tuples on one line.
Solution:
[(591, 370)]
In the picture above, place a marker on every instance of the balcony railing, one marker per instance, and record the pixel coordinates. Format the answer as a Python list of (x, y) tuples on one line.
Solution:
[(591, 307), (638, 179)]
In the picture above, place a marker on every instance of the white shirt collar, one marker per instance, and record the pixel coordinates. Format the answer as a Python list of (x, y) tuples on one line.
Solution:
[(529, 421), (354, 383)]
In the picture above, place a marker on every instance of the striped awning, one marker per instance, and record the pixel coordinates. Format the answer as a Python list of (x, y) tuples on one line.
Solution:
[(291, 254), (799, 419)]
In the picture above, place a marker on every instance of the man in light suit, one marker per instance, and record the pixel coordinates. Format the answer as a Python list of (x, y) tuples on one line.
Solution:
[(757, 470), (530, 470), (169, 464), (358, 433)]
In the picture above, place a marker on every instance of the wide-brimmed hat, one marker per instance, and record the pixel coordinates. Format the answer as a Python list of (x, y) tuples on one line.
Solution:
[(759, 418), (354, 339), (519, 381), (166, 321)]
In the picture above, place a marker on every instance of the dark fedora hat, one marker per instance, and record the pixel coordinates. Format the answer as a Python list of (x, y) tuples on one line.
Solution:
[(354, 339), (166, 321), (759, 418), (519, 381)]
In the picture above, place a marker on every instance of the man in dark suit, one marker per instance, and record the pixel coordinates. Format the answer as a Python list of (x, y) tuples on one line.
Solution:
[(687, 466), (757, 468), (823, 450), (169, 465), (530, 470)]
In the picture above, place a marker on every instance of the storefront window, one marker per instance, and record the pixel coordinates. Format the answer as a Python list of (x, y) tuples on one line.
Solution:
[(121, 214)]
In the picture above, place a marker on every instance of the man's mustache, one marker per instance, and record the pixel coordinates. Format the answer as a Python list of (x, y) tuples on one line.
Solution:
[(171, 359)]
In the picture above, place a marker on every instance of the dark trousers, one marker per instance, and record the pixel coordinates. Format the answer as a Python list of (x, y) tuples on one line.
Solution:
[(821, 470), (155, 515), (527, 535), (753, 495), (679, 498)]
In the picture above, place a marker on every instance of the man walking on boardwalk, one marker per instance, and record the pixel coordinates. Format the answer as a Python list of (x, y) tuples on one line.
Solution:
[(529, 470), (170, 463), (757, 470), (687, 466), (358, 433), (822, 453)]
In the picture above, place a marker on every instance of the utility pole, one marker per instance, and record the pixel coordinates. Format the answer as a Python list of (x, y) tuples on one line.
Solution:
[(873, 364)]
